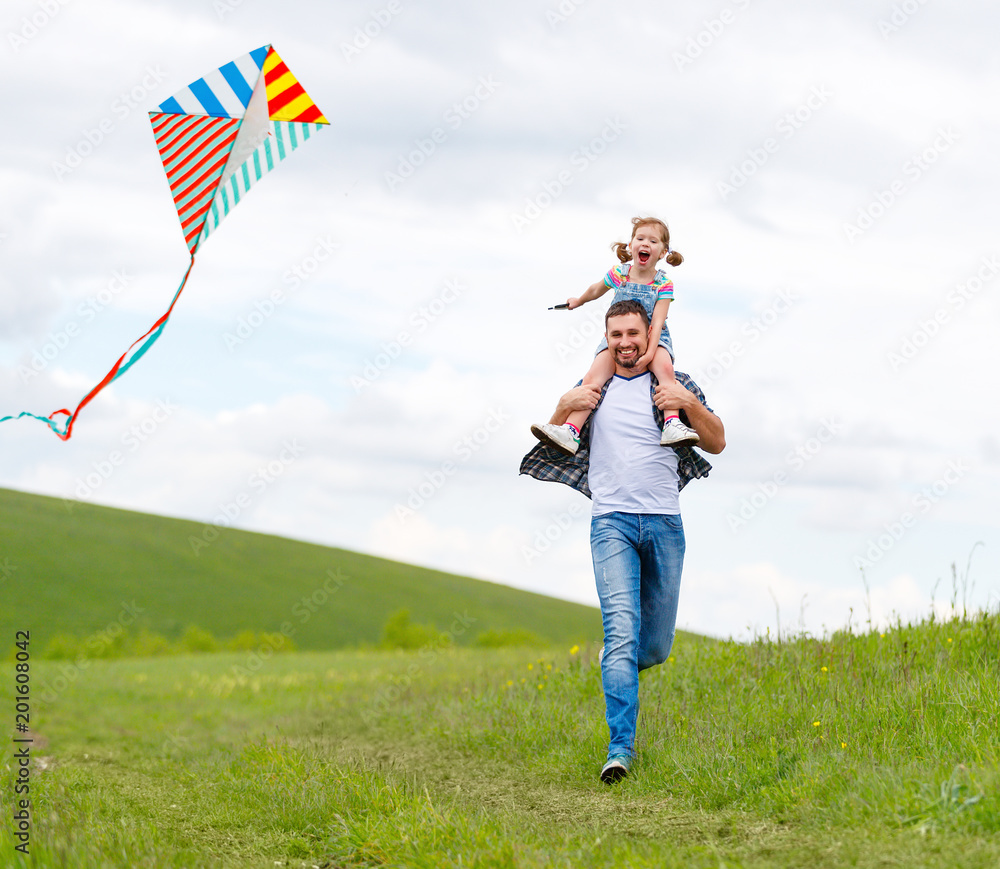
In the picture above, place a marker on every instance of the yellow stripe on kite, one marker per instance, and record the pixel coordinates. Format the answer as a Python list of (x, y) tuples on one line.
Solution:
[(271, 61), (280, 84), (295, 108)]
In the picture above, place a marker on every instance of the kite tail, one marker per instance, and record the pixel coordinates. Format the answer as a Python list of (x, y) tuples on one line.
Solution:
[(117, 370)]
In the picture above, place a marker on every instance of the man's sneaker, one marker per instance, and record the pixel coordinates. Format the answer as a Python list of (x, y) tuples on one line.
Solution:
[(676, 434), (562, 437), (615, 769)]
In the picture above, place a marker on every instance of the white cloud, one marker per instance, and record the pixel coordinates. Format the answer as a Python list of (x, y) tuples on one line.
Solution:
[(495, 347)]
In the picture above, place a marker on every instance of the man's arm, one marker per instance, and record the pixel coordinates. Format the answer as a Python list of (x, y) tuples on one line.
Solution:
[(700, 418), (578, 398)]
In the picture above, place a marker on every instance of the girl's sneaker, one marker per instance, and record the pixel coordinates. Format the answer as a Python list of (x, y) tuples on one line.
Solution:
[(676, 434), (563, 437)]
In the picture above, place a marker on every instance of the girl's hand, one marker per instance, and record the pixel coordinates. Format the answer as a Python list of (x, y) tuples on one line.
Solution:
[(573, 302), (646, 359)]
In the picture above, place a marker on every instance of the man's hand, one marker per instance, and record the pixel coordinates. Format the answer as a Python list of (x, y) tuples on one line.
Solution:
[(579, 398), (673, 396)]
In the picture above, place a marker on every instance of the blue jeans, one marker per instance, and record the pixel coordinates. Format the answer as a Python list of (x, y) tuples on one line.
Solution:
[(637, 564)]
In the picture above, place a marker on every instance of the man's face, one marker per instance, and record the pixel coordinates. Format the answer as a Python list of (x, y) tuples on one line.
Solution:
[(628, 337)]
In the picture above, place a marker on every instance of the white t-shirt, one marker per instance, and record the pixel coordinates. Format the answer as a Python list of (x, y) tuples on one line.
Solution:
[(629, 471)]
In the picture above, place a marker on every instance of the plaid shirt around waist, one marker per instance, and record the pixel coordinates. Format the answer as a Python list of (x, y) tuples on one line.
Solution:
[(548, 464)]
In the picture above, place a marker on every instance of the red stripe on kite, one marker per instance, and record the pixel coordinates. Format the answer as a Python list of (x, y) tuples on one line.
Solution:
[(198, 151), (176, 134), (169, 124), (275, 73), (309, 115), (199, 182), (114, 369), (177, 180), (285, 97), (197, 215)]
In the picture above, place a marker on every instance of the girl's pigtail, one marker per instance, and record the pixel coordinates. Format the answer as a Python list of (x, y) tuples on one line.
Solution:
[(674, 258), (621, 251)]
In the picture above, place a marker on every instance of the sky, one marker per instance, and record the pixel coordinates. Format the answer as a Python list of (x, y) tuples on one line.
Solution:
[(364, 342)]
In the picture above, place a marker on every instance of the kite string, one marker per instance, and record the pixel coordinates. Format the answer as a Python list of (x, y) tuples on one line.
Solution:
[(117, 370)]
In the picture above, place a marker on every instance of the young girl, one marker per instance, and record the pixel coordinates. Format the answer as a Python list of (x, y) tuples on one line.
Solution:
[(636, 278)]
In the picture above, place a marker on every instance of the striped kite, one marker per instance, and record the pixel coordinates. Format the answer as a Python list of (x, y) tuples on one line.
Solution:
[(217, 137)]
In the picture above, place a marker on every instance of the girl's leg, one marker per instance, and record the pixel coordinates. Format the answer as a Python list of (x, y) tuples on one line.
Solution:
[(663, 368), (675, 433), (599, 374)]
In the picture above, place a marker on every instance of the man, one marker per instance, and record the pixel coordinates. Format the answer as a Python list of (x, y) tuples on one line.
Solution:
[(636, 537)]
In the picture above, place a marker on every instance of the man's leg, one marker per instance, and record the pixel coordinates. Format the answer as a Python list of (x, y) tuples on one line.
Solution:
[(614, 542), (661, 553)]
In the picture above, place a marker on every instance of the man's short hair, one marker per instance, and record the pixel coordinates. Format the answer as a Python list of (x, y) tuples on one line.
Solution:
[(626, 306)]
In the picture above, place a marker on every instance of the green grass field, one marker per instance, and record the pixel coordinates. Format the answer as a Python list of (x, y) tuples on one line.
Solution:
[(865, 751), (68, 567)]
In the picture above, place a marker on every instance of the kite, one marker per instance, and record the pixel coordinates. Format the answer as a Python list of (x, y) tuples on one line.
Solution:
[(216, 138)]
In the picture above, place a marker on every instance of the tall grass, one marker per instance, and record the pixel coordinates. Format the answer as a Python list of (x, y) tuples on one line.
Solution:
[(872, 749)]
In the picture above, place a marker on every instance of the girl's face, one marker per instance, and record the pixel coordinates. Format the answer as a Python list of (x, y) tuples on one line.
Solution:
[(647, 245)]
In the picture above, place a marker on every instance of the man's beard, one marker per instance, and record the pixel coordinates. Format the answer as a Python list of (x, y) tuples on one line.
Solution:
[(627, 363)]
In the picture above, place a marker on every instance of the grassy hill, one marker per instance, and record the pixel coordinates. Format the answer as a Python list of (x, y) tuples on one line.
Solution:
[(72, 567)]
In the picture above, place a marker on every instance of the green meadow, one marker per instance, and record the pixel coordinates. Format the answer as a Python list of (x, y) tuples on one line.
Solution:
[(402, 726), (871, 750)]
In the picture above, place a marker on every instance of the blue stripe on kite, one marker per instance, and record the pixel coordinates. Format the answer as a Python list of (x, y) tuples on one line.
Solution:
[(246, 175), (203, 93), (46, 420), (280, 140), (268, 155), (234, 77), (191, 205), (256, 165), (172, 107), (150, 341), (198, 143), (203, 191), (258, 55), (236, 191), (292, 137)]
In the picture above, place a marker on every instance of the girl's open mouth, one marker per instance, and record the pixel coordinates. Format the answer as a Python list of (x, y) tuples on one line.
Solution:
[(643, 256)]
